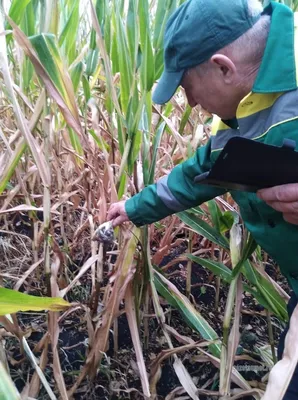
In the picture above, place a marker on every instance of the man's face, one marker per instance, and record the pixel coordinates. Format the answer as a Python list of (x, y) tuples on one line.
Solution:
[(207, 88)]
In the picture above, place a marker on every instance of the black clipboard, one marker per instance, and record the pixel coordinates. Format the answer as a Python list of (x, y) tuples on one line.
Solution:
[(248, 165)]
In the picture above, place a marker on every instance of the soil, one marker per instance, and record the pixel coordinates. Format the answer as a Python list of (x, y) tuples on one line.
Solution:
[(117, 377)]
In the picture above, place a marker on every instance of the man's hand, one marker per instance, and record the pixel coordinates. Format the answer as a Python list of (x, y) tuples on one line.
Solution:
[(117, 213), (283, 198)]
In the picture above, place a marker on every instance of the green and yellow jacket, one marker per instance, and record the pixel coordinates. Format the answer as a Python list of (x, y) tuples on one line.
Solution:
[(268, 114)]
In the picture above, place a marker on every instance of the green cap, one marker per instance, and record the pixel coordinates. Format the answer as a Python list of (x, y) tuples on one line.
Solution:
[(195, 31)]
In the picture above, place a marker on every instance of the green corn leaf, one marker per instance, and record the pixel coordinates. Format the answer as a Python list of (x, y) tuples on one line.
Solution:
[(140, 111), (8, 390), (144, 126), (261, 288), (185, 118), (193, 318), (215, 214), (53, 9), (217, 268), (50, 68), (28, 24), (28, 27), (75, 142), (156, 144), (261, 300), (69, 32), (158, 64), (102, 10), (267, 290), (42, 19), (132, 32), (16, 11), (197, 211), (12, 301), (147, 65), (48, 53), (203, 228), (86, 88), (122, 186), (76, 75), (91, 61), (135, 150), (148, 105), (108, 103), (125, 67), (159, 25), (226, 221), (163, 12), (121, 136), (249, 248), (107, 67), (92, 44), (114, 53), (134, 112), (100, 142), (107, 28)]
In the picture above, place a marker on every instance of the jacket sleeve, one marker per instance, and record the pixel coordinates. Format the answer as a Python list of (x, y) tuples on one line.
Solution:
[(174, 192)]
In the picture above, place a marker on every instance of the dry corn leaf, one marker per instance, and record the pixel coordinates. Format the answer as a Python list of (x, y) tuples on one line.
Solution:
[(281, 374)]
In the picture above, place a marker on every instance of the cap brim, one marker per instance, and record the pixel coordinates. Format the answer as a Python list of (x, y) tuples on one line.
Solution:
[(167, 86)]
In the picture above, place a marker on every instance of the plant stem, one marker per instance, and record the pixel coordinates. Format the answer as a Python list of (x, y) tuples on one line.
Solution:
[(271, 337), (189, 265)]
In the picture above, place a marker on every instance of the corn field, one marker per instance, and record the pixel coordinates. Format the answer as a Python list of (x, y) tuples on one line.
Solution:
[(79, 131)]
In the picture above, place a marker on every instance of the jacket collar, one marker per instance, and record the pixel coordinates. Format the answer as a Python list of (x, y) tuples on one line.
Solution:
[(277, 72)]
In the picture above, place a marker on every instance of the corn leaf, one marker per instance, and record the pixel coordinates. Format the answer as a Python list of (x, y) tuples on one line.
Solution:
[(274, 299), (91, 61), (203, 228), (156, 144), (125, 66), (163, 12), (132, 32), (28, 27), (147, 65), (133, 326), (187, 310), (12, 301), (185, 379), (282, 372), (107, 62), (264, 293), (16, 10), (250, 247), (8, 390), (69, 33), (216, 267), (76, 75), (46, 47), (215, 214)]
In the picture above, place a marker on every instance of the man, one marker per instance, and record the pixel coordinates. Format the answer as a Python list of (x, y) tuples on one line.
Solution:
[(239, 63)]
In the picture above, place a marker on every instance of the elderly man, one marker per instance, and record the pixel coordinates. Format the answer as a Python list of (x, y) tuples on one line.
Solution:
[(239, 62)]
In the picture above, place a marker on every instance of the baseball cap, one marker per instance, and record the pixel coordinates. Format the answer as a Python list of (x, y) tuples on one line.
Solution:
[(195, 31)]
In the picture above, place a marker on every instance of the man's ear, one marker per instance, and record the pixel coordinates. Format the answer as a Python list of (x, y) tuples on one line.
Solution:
[(225, 66)]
